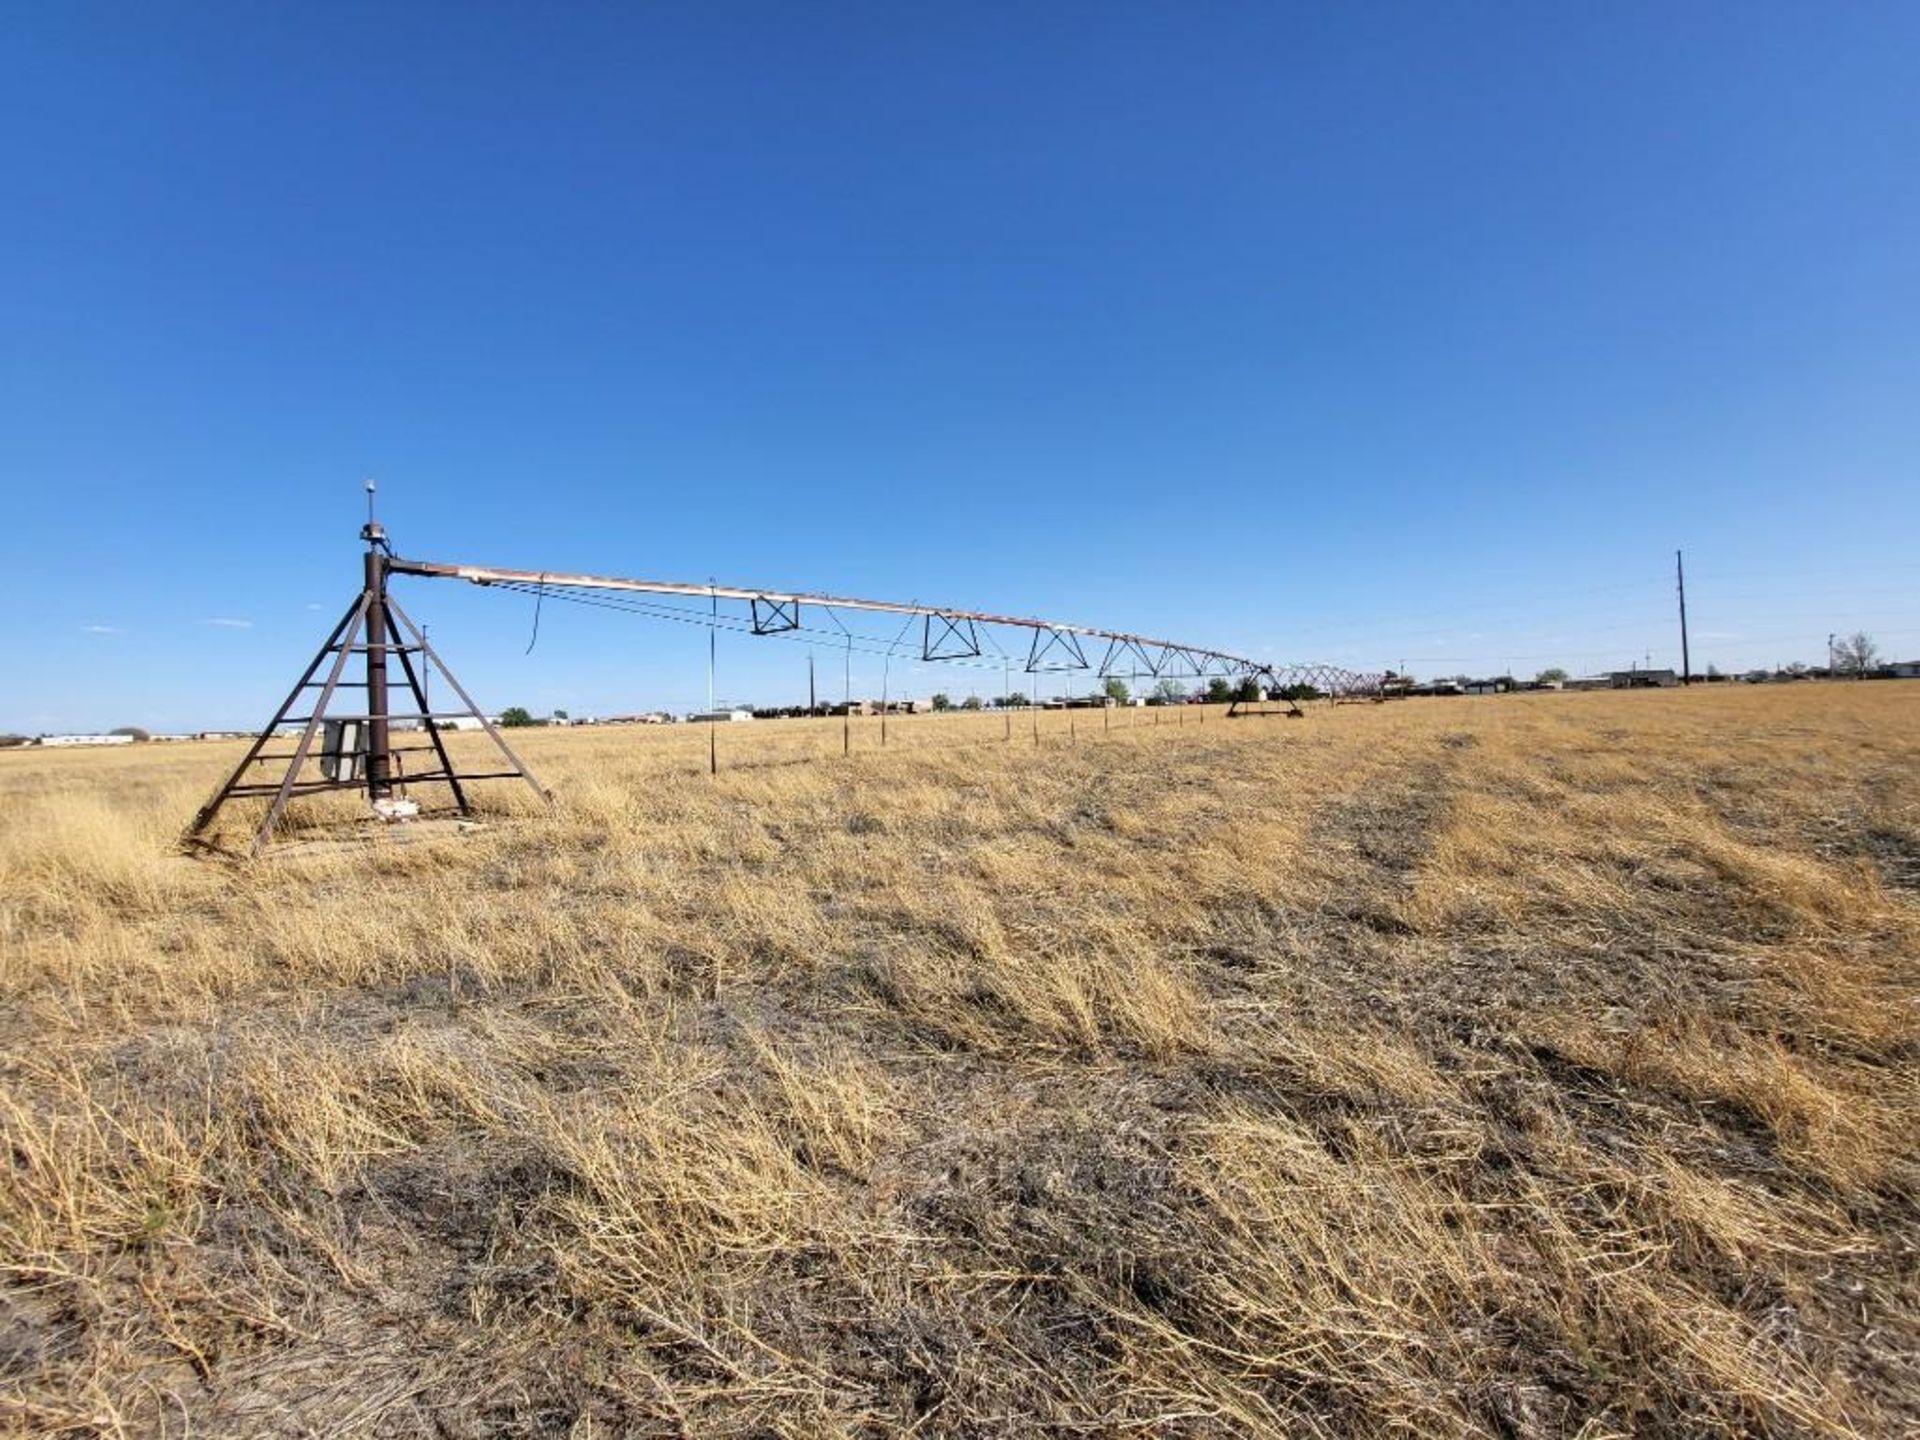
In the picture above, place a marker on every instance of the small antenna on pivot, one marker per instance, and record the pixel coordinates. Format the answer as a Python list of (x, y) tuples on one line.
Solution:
[(373, 532)]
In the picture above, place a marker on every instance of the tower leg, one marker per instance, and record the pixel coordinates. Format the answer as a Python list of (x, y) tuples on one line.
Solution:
[(212, 808), (426, 714), (312, 728), (419, 638)]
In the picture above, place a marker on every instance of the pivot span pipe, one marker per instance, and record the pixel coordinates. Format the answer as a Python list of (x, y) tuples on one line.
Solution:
[(1196, 657)]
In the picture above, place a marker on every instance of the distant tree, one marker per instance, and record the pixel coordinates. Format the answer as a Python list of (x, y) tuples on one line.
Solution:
[(1219, 691), (1713, 673), (8, 742), (1169, 689), (516, 717), (972, 702), (943, 701), (1301, 691), (1116, 689), (1856, 655), (134, 730), (1247, 691), (561, 715), (1015, 701), (1552, 675)]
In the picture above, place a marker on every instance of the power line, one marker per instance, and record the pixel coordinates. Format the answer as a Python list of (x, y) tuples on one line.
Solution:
[(1427, 619)]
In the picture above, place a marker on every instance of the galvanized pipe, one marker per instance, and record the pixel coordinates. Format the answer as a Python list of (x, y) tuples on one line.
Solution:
[(1057, 634)]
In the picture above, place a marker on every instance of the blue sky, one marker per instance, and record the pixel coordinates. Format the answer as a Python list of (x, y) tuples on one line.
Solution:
[(1365, 333)]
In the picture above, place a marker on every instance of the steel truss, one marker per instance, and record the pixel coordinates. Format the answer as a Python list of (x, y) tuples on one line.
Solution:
[(957, 639), (946, 633)]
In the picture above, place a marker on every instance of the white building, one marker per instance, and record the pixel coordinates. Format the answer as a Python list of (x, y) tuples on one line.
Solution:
[(86, 739)]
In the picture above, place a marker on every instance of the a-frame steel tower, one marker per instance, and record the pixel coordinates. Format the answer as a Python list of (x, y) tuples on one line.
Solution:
[(356, 747)]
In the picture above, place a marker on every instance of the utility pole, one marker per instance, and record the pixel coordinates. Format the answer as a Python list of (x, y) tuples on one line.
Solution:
[(713, 722), (813, 699), (1680, 577)]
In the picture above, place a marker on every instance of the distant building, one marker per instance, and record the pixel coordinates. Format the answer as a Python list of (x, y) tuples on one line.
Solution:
[(1589, 682), (1643, 679), (723, 716), (1904, 669), (66, 740)]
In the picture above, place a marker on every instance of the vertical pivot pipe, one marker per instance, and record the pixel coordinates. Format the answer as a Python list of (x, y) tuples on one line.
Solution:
[(379, 737)]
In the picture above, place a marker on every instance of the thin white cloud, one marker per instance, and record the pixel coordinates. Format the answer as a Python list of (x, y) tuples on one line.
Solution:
[(313, 605), (226, 624), (101, 629)]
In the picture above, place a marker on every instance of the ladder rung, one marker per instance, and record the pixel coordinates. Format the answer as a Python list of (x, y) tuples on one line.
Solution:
[(396, 716), (300, 788), (430, 777), (396, 750)]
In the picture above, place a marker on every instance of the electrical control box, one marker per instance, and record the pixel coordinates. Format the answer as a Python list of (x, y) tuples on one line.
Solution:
[(343, 749)]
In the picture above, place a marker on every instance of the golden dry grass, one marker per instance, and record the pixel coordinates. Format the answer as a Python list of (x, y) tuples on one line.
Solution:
[(1528, 1066)]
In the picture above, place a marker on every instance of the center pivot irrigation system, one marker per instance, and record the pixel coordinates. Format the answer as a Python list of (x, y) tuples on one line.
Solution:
[(356, 749)]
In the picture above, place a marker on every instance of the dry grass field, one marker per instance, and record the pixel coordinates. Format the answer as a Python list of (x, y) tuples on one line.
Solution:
[(1531, 1066)]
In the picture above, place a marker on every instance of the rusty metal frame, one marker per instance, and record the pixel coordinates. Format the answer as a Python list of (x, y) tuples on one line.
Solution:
[(364, 631)]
